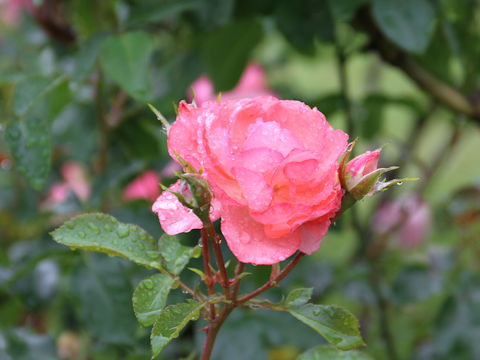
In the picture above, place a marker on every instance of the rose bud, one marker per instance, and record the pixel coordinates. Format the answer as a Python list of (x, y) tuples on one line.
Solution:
[(360, 177)]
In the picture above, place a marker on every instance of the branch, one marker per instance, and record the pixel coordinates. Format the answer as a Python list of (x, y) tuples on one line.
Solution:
[(397, 57)]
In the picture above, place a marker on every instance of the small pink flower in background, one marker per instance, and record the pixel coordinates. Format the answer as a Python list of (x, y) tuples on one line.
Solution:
[(75, 179), (169, 170), (272, 166), (58, 193), (11, 10), (143, 187), (253, 83), (407, 219)]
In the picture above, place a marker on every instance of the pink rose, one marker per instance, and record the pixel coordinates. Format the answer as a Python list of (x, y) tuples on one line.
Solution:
[(143, 187), (253, 83), (75, 179), (272, 166), (11, 10), (407, 219)]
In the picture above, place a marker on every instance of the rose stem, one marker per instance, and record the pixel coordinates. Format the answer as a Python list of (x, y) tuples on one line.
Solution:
[(272, 282), (208, 272), (236, 284), (210, 230)]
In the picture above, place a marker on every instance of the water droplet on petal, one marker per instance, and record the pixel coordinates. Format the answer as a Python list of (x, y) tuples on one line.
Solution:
[(70, 225), (81, 234), (107, 227)]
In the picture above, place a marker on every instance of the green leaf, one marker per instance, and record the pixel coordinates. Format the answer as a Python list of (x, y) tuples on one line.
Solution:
[(329, 353), (150, 297), (126, 59), (337, 325), (298, 297), (149, 11), (171, 321), (408, 23), (86, 57), (344, 10), (24, 344), (175, 256), (303, 21), (101, 290), (33, 90), (30, 145), (104, 233), (237, 40)]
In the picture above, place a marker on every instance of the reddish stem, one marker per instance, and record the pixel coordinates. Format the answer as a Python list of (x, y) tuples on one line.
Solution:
[(208, 272), (210, 231), (275, 280)]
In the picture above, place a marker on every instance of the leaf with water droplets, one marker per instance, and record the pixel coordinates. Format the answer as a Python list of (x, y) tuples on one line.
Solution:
[(29, 142), (175, 256), (323, 352), (171, 321), (104, 233), (337, 325), (150, 297), (298, 297)]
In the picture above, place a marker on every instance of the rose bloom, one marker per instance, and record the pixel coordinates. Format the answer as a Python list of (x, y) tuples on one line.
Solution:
[(272, 166)]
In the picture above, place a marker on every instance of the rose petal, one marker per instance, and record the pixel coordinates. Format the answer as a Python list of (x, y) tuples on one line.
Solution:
[(312, 233), (254, 187), (248, 242), (272, 136)]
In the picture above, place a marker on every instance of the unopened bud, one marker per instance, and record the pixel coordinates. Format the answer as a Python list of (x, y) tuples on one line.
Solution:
[(360, 176)]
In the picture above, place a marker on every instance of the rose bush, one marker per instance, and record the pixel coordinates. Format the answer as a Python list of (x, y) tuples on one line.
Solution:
[(272, 166)]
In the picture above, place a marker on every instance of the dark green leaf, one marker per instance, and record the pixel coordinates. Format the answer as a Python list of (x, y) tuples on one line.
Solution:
[(171, 321), (150, 297), (33, 90), (148, 11), (30, 144), (344, 10), (298, 297), (101, 290), (330, 353), (126, 59), (334, 323), (175, 256), (408, 23), (236, 41), (26, 345), (104, 233), (215, 12), (303, 21), (86, 57)]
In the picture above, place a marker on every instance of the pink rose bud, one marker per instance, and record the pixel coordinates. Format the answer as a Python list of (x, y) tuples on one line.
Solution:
[(407, 220), (76, 177), (143, 187), (360, 177)]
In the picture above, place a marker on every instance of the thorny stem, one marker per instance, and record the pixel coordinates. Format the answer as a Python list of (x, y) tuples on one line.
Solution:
[(274, 281), (213, 236), (236, 283), (208, 272)]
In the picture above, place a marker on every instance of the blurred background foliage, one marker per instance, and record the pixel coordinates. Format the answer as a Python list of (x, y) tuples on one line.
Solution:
[(75, 131)]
